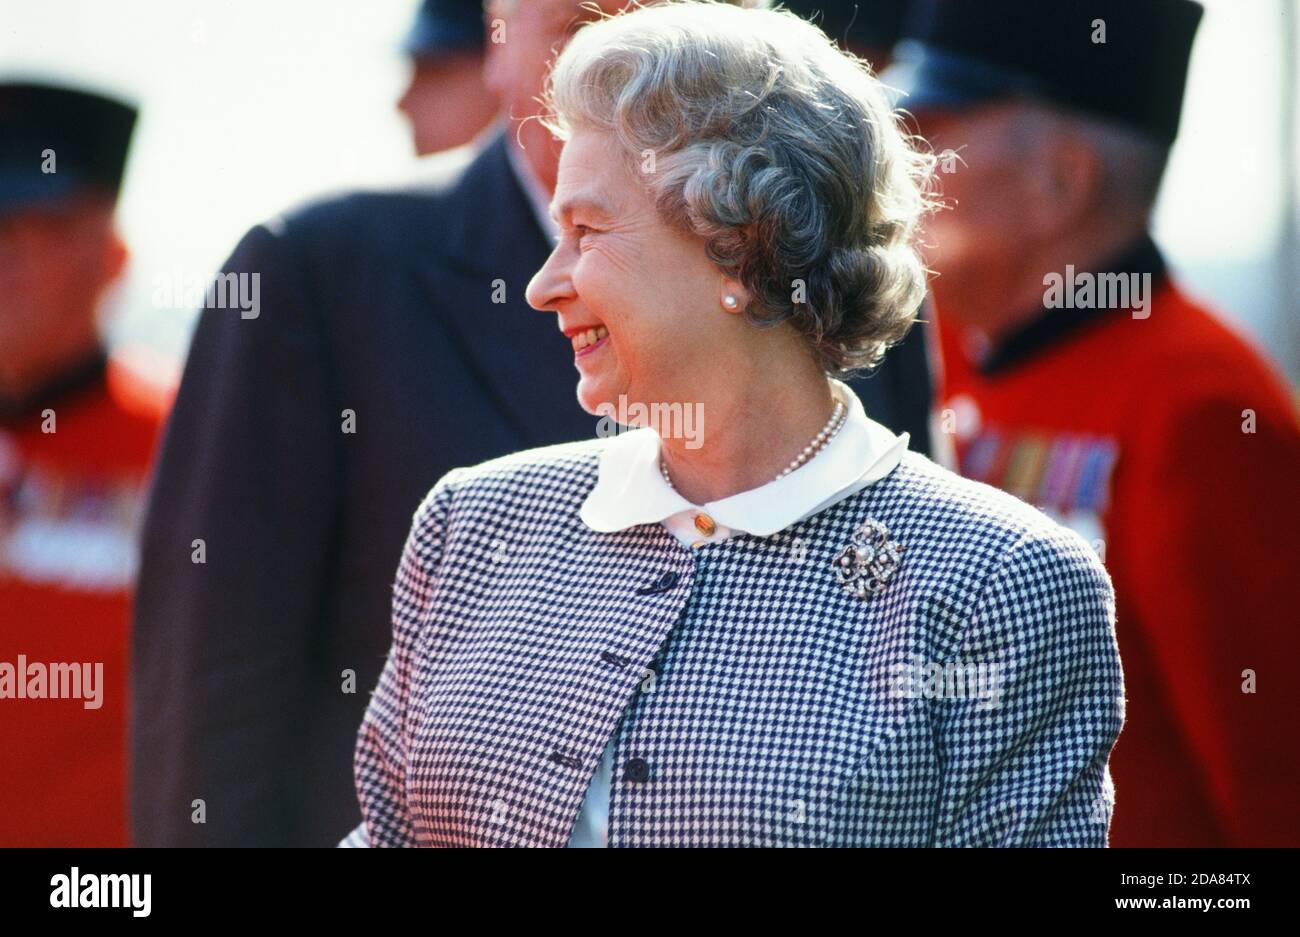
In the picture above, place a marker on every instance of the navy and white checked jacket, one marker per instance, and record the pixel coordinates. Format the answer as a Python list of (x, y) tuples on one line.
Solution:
[(754, 700)]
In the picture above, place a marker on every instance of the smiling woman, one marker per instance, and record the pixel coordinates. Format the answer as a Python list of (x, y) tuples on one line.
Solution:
[(645, 640)]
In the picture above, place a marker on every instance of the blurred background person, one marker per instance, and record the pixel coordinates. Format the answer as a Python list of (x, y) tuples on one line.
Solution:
[(446, 102), (393, 344), (77, 429), (1080, 377)]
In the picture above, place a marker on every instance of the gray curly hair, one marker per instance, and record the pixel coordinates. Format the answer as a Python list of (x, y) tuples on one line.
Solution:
[(776, 148)]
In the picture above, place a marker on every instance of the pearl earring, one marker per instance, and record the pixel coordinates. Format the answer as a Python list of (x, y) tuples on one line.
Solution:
[(730, 301)]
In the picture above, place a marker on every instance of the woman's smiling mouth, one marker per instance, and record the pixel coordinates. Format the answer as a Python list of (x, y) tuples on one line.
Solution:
[(584, 343)]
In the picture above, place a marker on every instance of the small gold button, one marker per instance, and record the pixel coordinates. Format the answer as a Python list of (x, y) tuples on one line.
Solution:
[(699, 543), (704, 524)]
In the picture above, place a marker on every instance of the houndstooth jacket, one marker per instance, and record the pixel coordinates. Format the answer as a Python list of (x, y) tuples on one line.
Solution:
[(755, 699)]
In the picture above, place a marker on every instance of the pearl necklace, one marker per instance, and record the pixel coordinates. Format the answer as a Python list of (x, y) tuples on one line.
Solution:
[(839, 416)]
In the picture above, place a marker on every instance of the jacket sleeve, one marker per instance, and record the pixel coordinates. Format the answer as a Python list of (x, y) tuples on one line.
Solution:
[(1027, 765), (383, 741), (233, 582)]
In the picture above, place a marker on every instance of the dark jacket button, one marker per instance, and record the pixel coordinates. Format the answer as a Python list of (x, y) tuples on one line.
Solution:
[(662, 584), (567, 760), (636, 769), (610, 658)]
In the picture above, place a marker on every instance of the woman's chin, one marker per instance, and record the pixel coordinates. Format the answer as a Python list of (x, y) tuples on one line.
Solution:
[(595, 396)]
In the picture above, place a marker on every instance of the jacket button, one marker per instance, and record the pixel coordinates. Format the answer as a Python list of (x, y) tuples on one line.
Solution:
[(568, 761), (619, 662), (662, 584), (636, 769)]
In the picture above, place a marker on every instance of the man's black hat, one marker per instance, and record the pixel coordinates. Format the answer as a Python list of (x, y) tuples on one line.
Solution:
[(871, 23), (83, 136), (1120, 59), (443, 26)]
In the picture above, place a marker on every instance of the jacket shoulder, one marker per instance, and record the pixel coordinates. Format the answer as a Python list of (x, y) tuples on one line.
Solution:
[(402, 211), (533, 491), (966, 518), (981, 558), (549, 471), (967, 501)]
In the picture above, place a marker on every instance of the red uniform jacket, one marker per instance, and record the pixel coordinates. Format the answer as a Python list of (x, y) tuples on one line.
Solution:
[(1170, 443), (70, 505)]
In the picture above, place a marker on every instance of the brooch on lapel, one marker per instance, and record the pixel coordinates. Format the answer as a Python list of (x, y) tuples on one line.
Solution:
[(866, 565)]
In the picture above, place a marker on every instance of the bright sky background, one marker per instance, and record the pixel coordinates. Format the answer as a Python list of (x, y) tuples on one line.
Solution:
[(250, 106)]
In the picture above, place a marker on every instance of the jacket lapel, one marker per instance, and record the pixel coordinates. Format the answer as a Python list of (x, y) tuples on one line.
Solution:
[(521, 358)]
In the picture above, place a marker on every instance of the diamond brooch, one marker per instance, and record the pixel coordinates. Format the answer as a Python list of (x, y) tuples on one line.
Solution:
[(866, 565)]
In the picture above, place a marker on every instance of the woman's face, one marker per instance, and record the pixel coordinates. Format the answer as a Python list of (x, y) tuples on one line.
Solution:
[(618, 269)]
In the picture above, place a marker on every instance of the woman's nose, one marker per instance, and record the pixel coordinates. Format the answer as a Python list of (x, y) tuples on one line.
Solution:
[(551, 285)]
